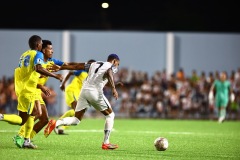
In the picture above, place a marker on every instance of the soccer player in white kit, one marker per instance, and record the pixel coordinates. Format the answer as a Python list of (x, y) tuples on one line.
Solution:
[(99, 74)]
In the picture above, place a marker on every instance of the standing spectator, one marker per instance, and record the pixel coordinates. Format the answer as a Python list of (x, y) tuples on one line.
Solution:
[(180, 74), (194, 78), (12, 107), (3, 97)]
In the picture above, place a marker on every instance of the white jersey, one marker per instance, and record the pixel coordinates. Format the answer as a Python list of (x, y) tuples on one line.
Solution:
[(92, 89), (96, 74)]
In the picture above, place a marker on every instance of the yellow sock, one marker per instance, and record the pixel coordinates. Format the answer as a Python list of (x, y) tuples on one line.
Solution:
[(69, 113), (33, 133), (21, 132), (29, 126), (12, 119)]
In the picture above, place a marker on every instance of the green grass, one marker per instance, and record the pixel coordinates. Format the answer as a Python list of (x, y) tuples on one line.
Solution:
[(188, 140)]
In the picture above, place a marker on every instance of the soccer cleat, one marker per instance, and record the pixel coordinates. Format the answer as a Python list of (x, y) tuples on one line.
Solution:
[(109, 146), (18, 140), (50, 127), (221, 120), (1, 116), (28, 144)]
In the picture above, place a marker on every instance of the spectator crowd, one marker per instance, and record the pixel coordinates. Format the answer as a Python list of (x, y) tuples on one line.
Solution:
[(174, 96)]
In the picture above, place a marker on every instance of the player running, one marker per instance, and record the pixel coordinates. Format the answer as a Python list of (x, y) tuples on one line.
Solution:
[(26, 77), (47, 50), (72, 92), (99, 74)]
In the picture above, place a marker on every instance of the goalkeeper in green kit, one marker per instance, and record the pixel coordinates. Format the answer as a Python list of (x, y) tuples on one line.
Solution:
[(223, 91)]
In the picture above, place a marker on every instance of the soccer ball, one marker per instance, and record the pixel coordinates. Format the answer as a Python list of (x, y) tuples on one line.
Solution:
[(161, 143), (59, 130)]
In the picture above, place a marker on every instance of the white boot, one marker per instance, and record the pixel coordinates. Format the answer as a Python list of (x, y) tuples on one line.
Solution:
[(221, 119)]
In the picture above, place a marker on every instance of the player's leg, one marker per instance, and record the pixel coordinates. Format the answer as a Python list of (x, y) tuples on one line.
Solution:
[(11, 118), (69, 113), (19, 119), (71, 101), (37, 112), (82, 104), (104, 107), (42, 121), (222, 110), (19, 138), (32, 110), (79, 113)]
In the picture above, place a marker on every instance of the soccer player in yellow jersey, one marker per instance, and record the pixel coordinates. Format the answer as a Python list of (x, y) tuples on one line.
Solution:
[(26, 77), (42, 118), (72, 92), (48, 60)]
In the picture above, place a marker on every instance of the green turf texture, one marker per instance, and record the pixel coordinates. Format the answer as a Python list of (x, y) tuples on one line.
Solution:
[(188, 140)]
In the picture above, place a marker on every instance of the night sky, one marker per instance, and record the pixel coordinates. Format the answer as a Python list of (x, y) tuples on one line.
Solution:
[(132, 15)]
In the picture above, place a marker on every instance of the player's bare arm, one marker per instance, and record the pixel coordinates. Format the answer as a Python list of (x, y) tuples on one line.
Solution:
[(78, 66), (111, 83), (44, 89), (116, 84), (46, 72), (70, 63)]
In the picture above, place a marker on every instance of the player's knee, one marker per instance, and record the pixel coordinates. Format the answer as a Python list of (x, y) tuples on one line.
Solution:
[(110, 116)]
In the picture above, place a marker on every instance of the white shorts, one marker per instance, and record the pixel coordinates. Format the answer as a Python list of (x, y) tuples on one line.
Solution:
[(92, 97)]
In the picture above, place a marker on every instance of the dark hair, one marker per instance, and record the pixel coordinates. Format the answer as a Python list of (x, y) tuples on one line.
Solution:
[(46, 43), (33, 41), (91, 60), (112, 57)]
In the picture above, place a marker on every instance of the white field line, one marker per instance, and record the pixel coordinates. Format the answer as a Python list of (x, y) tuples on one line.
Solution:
[(133, 132)]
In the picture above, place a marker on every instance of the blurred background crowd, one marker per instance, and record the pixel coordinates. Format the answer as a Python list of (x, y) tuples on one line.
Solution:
[(174, 96)]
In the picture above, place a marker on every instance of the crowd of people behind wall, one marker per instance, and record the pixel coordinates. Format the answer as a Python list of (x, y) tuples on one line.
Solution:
[(159, 96)]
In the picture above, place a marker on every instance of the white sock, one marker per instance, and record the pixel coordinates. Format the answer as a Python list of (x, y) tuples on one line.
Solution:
[(67, 121), (108, 127)]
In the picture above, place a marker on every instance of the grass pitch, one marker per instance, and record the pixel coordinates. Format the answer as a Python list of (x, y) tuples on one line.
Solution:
[(188, 140)]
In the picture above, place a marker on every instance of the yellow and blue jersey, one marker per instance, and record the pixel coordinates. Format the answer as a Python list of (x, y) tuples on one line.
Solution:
[(26, 79), (49, 62), (76, 83), (43, 80), (25, 75)]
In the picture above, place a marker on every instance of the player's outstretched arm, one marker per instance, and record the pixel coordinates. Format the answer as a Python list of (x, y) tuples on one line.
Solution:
[(45, 72), (78, 66)]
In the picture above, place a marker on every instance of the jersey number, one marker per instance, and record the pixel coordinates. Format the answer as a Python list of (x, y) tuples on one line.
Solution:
[(24, 60), (100, 65)]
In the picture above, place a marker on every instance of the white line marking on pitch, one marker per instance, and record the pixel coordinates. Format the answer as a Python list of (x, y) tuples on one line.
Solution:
[(135, 132)]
